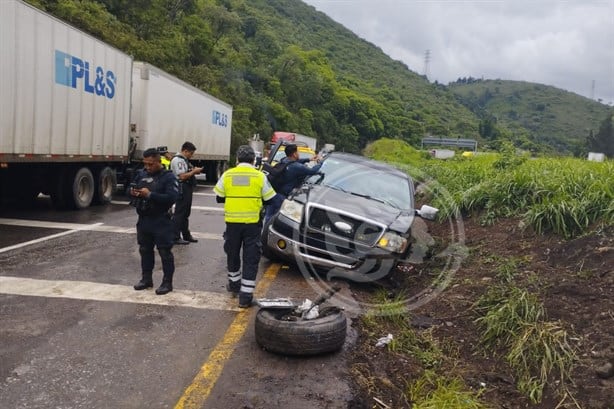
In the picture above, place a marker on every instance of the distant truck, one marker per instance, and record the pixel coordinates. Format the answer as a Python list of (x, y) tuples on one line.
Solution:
[(596, 156), (308, 141), (442, 153), (305, 146), (76, 114)]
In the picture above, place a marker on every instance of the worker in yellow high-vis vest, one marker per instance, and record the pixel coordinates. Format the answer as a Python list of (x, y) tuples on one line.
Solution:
[(165, 157), (243, 189)]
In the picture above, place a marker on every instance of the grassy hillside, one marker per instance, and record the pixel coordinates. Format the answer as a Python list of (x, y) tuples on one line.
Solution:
[(553, 117), (363, 67), (285, 66)]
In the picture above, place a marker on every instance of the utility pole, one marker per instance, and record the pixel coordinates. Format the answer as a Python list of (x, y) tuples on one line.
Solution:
[(593, 90), (427, 59)]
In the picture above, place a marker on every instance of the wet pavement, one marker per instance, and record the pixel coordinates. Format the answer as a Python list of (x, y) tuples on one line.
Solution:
[(83, 339)]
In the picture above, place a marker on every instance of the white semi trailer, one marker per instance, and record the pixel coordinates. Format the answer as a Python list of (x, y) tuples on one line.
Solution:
[(167, 112), (76, 113)]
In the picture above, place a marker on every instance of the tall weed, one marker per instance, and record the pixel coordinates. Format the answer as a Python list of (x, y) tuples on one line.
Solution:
[(512, 319), (562, 195), (432, 391)]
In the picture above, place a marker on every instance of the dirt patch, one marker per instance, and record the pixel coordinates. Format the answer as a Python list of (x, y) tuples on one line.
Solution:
[(574, 279)]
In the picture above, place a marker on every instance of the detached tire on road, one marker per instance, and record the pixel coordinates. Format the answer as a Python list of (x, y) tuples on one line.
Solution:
[(326, 333)]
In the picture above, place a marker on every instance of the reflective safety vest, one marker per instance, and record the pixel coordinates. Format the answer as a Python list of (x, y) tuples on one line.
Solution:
[(166, 164), (243, 192)]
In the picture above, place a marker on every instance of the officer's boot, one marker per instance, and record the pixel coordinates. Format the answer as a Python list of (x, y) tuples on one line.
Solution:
[(146, 282), (166, 286)]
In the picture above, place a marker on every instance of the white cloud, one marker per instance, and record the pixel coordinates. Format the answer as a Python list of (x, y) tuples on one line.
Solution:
[(567, 44)]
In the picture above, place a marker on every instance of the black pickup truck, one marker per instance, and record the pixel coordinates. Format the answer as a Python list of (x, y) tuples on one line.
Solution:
[(353, 219)]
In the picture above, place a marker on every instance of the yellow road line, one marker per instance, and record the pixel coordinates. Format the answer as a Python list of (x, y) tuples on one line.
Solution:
[(197, 393)]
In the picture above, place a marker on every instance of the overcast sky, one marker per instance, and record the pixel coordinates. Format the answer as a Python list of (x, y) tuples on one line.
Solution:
[(566, 44)]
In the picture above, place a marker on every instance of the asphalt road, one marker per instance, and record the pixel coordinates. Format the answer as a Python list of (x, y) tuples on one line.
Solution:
[(75, 334)]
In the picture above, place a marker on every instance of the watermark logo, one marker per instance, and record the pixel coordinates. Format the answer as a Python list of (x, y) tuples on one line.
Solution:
[(437, 260), (77, 73)]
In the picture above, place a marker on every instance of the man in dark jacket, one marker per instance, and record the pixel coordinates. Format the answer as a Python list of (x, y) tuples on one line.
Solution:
[(153, 192), (293, 176)]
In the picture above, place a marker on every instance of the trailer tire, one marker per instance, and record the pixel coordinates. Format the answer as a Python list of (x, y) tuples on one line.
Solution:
[(106, 185), (81, 191), (214, 171), (326, 333)]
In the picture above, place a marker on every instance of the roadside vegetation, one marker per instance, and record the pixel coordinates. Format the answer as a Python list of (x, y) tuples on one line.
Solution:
[(437, 383), (565, 198), (513, 321)]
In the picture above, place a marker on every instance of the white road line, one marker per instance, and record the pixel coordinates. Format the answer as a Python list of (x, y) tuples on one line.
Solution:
[(27, 243), (84, 290), (49, 225), (204, 194), (211, 208), (74, 227)]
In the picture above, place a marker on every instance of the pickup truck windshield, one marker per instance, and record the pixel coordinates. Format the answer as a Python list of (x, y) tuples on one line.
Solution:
[(362, 180)]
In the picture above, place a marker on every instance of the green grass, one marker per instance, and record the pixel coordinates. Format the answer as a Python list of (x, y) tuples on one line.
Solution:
[(540, 349), (537, 350), (507, 269), (386, 310), (432, 391), (389, 315), (422, 346), (503, 312), (562, 195)]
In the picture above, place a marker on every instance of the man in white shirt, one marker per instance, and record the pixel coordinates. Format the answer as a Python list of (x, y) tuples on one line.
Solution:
[(185, 173)]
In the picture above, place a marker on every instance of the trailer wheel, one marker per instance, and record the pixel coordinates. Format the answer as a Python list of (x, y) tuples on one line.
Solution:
[(214, 171), (82, 189), (326, 333), (105, 186)]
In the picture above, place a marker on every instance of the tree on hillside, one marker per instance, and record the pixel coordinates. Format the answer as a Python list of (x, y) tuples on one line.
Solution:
[(603, 141)]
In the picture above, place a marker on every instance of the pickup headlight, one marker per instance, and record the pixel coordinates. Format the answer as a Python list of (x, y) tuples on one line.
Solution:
[(392, 242), (292, 210)]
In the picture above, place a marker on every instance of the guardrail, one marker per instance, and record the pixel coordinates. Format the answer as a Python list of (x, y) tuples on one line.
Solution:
[(456, 142)]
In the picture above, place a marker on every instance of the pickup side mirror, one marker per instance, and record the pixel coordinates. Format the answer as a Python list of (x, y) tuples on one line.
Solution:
[(427, 212)]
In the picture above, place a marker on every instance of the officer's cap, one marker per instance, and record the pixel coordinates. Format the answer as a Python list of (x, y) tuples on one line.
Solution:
[(246, 154), (150, 152), (162, 149)]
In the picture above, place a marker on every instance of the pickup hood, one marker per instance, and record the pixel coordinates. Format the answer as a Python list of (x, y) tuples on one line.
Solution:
[(395, 219)]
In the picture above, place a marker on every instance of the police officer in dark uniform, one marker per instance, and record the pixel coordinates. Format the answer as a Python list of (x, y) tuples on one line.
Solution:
[(153, 192)]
